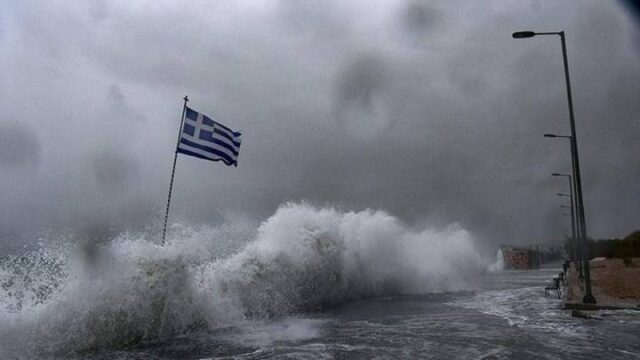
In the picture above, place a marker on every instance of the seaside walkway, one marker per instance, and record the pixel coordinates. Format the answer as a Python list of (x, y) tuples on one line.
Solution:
[(605, 272)]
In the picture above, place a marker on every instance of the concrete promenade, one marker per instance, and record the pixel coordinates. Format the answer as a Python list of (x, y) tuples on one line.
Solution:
[(574, 293)]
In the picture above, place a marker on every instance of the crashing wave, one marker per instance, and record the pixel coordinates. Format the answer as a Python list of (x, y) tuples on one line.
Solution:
[(499, 264), (301, 259)]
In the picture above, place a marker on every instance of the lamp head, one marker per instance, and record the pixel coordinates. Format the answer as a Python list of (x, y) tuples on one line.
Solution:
[(523, 34)]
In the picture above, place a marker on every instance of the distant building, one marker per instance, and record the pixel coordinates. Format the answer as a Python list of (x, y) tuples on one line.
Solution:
[(520, 258)]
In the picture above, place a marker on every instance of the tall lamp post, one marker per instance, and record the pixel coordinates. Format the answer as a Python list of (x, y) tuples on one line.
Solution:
[(572, 185), (588, 297), (575, 239), (573, 168), (572, 244), (572, 179)]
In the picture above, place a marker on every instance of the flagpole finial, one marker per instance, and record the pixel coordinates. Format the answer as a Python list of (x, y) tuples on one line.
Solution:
[(185, 98)]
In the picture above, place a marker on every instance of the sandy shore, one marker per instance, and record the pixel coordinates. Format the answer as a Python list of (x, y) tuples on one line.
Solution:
[(613, 285), (616, 280)]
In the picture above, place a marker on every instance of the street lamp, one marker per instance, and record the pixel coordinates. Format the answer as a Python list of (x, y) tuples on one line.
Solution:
[(588, 297), (572, 187), (523, 34), (557, 136), (571, 178), (575, 240)]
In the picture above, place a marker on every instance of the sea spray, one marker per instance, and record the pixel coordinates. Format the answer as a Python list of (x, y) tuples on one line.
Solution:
[(301, 259), (499, 264)]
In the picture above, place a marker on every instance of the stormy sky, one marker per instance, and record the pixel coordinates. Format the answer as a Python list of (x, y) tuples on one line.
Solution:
[(426, 109)]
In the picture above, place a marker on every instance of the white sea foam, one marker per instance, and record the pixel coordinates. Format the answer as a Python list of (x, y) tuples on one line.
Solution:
[(499, 264), (301, 259)]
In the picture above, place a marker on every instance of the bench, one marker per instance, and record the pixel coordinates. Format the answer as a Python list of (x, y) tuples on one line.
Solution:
[(555, 286)]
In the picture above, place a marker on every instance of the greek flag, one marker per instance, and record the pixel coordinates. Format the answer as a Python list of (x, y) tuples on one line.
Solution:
[(206, 139)]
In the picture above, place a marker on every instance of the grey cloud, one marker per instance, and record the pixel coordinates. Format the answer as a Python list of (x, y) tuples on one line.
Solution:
[(361, 80), (419, 17), (19, 146), (99, 10), (114, 172), (427, 110)]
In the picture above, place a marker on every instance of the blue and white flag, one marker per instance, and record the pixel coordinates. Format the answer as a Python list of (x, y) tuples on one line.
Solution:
[(206, 139)]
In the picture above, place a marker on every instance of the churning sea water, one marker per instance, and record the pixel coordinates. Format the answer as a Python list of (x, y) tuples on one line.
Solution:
[(308, 283)]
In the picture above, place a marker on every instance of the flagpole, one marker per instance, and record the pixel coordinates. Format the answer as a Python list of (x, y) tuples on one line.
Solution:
[(173, 169)]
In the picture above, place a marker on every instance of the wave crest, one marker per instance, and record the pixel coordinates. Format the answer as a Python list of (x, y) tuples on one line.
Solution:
[(301, 259)]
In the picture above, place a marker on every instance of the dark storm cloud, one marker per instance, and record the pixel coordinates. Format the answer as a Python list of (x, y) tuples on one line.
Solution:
[(113, 172), (359, 83), (426, 109), (19, 146), (419, 17)]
